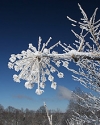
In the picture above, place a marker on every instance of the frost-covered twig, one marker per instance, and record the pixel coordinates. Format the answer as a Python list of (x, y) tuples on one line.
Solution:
[(48, 116)]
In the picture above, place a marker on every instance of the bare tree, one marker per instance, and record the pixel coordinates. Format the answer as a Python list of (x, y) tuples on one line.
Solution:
[(1, 114)]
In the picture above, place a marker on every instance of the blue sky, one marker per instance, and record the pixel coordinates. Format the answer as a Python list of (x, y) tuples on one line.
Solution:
[(21, 23)]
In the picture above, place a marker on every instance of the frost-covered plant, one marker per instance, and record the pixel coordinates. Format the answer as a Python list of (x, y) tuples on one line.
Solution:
[(48, 116), (73, 121), (89, 66), (38, 65), (85, 109), (35, 66)]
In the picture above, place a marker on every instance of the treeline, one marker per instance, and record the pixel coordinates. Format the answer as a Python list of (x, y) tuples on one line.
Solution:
[(13, 116)]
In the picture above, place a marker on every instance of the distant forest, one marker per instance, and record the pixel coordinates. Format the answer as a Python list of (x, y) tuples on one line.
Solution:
[(13, 116)]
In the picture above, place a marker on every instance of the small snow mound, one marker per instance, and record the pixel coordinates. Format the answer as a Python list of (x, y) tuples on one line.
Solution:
[(72, 51), (45, 51)]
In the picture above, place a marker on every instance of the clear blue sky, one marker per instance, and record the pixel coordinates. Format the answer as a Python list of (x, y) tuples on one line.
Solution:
[(21, 23)]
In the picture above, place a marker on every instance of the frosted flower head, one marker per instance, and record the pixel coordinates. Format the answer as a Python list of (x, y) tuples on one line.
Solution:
[(43, 79), (60, 75), (29, 85), (16, 68), (16, 78), (58, 63), (10, 65), (35, 65), (39, 91), (52, 69), (29, 52), (42, 85), (47, 72), (54, 85), (12, 58), (50, 78), (32, 48), (30, 45), (19, 56), (23, 52)]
